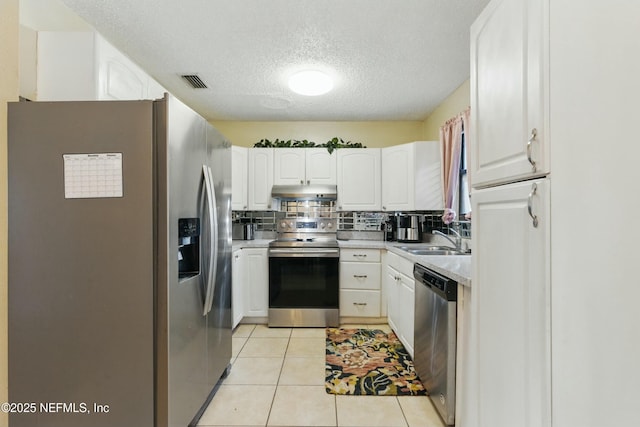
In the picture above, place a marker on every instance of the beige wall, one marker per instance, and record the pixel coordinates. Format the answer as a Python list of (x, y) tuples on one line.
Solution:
[(455, 103), (8, 92), (369, 133)]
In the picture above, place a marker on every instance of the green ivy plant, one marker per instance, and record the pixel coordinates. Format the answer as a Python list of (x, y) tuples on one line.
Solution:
[(330, 145)]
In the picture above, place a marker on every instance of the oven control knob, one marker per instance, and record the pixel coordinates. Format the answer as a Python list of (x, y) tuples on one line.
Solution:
[(283, 224), (329, 225)]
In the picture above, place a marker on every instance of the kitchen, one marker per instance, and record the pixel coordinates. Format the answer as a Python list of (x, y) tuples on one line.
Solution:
[(592, 349)]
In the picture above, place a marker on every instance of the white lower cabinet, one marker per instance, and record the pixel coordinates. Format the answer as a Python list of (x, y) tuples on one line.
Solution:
[(400, 292), (510, 314), (237, 287), (256, 279), (360, 283)]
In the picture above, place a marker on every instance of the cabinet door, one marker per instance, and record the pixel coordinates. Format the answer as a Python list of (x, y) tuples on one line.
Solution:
[(398, 183), (239, 179), (406, 307), (508, 78), (260, 178), (66, 66), (237, 284), (289, 166), (119, 78), (256, 275), (320, 166), (359, 179), (510, 307), (391, 283)]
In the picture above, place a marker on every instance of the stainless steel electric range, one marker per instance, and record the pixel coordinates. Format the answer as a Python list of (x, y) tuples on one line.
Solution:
[(303, 273)]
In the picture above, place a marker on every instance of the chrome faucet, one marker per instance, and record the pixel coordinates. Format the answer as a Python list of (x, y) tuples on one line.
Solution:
[(457, 243)]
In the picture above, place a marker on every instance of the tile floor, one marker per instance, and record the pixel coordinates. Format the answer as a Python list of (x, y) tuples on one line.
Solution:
[(277, 379)]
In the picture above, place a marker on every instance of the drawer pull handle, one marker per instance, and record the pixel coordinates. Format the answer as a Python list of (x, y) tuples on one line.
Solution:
[(360, 276), (359, 303), (360, 255), (532, 139), (534, 188)]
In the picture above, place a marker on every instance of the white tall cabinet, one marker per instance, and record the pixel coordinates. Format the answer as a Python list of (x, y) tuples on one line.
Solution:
[(553, 317)]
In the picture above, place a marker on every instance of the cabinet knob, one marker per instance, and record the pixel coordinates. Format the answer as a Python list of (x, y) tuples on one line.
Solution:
[(308, 181), (301, 182)]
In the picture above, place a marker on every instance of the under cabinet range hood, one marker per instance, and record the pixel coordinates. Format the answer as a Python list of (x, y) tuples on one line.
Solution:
[(311, 191)]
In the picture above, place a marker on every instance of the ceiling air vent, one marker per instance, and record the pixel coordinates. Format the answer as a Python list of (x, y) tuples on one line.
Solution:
[(194, 81)]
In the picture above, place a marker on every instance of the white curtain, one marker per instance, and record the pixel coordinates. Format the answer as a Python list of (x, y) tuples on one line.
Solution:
[(451, 147)]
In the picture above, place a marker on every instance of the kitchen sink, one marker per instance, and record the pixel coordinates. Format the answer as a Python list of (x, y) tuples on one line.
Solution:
[(432, 250)]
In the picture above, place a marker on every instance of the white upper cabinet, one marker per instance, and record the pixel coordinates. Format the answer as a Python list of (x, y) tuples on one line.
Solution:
[(289, 166), (411, 177), (77, 66), (359, 179), (260, 178), (304, 166), (321, 166), (508, 78), (239, 178)]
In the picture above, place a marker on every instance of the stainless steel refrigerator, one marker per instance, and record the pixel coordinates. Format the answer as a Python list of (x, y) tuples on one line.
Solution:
[(119, 263)]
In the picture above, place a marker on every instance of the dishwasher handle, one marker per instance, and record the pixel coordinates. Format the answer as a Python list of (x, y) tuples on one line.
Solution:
[(443, 286)]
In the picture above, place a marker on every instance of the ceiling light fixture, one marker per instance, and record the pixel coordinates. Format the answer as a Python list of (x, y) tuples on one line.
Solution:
[(310, 83)]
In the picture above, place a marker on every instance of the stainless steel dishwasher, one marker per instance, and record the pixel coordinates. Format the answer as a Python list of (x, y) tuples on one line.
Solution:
[(435, 338)]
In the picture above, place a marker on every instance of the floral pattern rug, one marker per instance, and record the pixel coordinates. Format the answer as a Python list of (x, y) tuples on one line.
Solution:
[(369, 362)]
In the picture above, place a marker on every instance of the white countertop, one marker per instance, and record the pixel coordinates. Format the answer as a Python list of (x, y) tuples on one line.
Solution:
[(456, 267), (257, 243)]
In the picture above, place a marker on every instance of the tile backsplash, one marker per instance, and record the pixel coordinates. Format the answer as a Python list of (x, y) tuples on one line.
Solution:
[(266, 220)]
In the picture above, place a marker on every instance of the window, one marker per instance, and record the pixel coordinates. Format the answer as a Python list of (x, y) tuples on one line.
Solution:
[(463, 203)]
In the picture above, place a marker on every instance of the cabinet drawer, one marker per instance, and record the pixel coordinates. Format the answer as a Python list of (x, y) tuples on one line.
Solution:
[(359, 275), (360, 255), (359, 303)]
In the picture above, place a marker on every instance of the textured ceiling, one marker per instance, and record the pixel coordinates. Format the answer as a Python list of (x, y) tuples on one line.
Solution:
[(391, 60)]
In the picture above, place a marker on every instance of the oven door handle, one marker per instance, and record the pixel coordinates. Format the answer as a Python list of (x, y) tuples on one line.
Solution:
[(304, 253)]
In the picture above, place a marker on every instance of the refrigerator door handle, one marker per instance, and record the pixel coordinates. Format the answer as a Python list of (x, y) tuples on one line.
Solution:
[(213, 235)]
